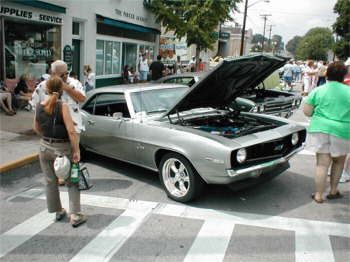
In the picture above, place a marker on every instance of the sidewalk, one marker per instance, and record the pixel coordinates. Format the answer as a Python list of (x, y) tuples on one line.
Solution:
[(17, 141)]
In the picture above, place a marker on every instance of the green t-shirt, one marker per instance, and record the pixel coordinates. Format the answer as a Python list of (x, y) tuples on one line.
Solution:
[(331, 109)]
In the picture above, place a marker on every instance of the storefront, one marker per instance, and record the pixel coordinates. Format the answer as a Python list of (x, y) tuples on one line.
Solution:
[(32, 39), (106, 35)]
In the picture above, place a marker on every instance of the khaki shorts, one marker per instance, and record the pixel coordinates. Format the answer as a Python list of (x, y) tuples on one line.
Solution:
[(324, 143)]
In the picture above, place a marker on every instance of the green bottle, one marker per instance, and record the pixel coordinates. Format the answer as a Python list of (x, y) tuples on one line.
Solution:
[(74, 173)]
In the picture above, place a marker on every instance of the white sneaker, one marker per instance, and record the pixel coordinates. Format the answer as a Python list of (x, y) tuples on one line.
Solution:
[(344, 177)]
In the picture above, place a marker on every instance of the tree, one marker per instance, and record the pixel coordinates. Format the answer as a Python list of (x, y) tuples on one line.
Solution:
[(195, 19), (258, 38), (342, 28), (277, 45), (315, 44), (293, 44)]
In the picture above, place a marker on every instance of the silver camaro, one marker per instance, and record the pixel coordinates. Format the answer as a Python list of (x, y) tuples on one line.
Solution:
[(191, 136)]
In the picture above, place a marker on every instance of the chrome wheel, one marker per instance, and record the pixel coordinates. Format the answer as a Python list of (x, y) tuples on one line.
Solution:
[(176, 177)]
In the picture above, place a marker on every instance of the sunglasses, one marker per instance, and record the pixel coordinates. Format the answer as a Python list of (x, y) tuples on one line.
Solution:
[(64, 74)]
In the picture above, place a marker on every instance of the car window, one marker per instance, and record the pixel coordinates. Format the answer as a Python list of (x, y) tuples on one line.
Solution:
[(156, 100), (90, 105), (109, 103), (171, 80), (184, 80)]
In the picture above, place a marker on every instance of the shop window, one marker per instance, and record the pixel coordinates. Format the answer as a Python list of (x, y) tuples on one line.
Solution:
[(76, 28), (108, 55), (30, 48)]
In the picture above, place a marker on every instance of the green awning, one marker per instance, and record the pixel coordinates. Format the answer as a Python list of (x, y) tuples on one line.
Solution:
[(124, 25), (42, 5)]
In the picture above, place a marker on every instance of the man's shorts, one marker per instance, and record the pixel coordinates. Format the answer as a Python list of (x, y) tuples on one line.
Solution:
[(318, 142), (143, 75), (288, 79)]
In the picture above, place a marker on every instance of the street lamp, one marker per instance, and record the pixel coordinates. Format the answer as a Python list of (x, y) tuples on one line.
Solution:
[(245, 19)]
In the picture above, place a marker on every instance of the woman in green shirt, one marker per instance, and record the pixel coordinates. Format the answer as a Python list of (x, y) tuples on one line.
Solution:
[(329, 131)]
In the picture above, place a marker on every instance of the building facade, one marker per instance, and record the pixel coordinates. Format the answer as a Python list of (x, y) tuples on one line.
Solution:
[(105, 34)]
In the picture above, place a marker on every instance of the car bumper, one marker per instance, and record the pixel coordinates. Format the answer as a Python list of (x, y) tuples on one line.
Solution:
[(256, 170)]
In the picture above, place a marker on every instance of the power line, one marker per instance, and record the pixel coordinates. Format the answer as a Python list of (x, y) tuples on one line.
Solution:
[(289, 13)]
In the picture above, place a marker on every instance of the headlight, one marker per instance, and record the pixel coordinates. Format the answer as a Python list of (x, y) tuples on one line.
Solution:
[(241, 155), (261, 108), (254, 109), (295, 139)]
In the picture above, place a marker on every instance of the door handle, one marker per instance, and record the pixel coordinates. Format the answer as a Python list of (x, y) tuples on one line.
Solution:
[(90, 122)]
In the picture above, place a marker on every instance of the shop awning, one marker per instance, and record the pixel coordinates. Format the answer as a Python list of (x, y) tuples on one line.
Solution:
[(42, 5), (124, 25)]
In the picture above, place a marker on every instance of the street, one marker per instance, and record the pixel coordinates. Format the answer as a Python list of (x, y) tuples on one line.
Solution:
[(131, 219)]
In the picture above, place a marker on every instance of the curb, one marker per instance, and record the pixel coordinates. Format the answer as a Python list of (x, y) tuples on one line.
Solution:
[(19, 163)]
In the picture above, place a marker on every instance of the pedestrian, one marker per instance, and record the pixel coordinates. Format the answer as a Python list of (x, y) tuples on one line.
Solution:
[(143, 69), (126, 74), (192, 64), (22, 90), (53, 122), (177, 65), (6, 101), (322, 73), (309, 72), (200, 67), (89, 81), (73, 94), (328, 134), (288, 74), (157, 69)]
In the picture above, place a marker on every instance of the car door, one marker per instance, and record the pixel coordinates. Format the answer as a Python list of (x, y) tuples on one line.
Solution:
[(108, 126)]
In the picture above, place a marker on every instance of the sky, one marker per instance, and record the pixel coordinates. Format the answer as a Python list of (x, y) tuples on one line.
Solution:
[(289, 17)]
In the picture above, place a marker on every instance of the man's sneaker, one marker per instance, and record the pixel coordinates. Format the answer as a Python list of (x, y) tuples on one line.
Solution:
[(344, 177)]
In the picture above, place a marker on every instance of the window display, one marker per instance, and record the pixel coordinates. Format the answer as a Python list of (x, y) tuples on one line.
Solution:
[(107, 57), (30, 48)]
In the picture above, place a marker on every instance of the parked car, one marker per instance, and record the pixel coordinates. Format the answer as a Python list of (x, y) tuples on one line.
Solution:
[(259, 99), (192, 136)]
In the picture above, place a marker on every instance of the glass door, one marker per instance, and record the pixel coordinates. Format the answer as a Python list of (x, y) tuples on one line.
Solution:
[(129, 55)]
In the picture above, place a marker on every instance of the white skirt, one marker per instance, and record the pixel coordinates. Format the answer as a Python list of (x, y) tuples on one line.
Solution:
[(307, 85), (318, 142)]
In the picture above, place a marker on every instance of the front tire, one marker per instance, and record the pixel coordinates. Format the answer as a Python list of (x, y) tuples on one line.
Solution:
[(180, 180)]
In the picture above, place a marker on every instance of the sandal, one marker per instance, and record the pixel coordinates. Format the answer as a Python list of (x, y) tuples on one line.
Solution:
[(80, 219), (334, 196), (61, 215), (318, 201)]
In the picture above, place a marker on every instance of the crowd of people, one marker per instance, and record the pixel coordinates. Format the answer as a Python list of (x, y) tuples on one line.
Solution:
[(310, 74)]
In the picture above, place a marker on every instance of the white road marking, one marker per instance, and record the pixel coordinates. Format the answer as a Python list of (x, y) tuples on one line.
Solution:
[(211, 242), (250, 219), (24, 231), (306, 152), (110, 240), (313, 247)]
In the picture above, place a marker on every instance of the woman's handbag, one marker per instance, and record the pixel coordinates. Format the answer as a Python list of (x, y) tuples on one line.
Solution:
[(84, 178)]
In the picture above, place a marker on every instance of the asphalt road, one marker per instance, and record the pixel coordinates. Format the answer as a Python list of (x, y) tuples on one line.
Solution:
[(131, 219)]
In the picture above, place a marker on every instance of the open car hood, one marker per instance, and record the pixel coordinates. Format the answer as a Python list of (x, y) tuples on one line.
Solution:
[(226, 81)]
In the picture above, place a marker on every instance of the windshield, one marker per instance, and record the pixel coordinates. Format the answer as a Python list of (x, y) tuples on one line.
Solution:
[(156, 100)]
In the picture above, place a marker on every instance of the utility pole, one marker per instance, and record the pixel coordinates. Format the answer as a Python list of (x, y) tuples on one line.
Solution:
[(269, 44), (243, 28), (265, 19)]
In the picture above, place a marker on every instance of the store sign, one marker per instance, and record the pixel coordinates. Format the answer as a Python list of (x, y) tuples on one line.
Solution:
[(68, 55), (30, 15), (170, 48), (130, 15), (30, 53)]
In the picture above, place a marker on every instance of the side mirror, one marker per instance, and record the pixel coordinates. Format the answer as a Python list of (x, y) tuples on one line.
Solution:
[(117, 115)]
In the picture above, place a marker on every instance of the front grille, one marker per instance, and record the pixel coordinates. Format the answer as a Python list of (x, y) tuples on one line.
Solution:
[(278, 107), (267, 151)]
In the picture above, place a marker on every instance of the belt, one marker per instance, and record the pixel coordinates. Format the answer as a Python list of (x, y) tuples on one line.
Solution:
[(55, 140)]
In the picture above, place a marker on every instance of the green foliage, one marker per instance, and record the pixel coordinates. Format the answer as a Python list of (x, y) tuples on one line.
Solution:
[(315, 44), (292, 44), (258, 38), (342, 28), (195, 19), (277, 45)]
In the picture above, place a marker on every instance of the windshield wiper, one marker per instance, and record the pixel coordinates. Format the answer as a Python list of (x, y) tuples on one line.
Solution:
[(157, 111)]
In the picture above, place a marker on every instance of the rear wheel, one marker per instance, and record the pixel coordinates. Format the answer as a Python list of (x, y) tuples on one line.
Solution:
[(179, 178)]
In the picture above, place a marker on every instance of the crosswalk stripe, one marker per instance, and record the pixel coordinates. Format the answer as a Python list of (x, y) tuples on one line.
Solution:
[(313, 247), (250, 219), (24, 231), (109, 241), (211, 242)]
